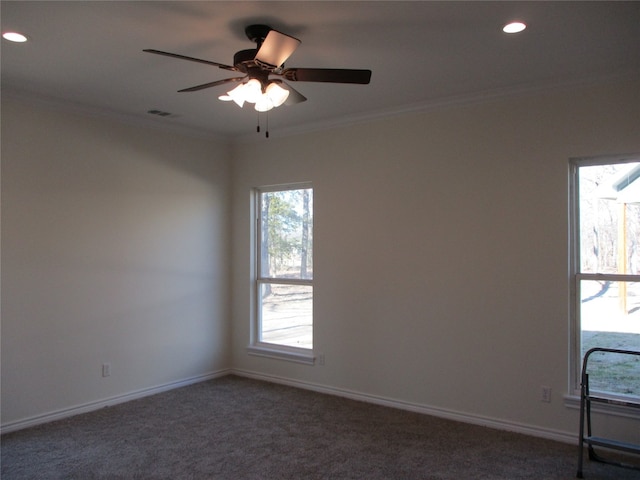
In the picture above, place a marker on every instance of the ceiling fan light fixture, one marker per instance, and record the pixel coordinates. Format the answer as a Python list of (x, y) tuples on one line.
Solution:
[(257, 64), (238, 95), (276, 94), (264, 104), (252, 90)]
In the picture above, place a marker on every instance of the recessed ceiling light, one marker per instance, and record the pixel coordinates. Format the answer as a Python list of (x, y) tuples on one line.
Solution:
[(14, 37), (514, 27)]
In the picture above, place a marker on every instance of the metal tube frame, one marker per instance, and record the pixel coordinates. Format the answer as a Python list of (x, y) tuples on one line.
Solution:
[(585, 410)]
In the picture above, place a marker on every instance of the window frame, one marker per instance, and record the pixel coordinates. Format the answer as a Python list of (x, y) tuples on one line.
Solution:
[(256, 345), (576, 276)]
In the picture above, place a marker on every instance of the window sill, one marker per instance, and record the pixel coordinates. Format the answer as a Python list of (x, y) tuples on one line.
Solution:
[(613, 408), (282, 353)]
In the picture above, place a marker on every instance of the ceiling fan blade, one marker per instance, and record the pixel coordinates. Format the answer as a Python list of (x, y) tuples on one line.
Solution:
[(333, 75), (191, 59), (294, 95), (212, 84), (276, 48)]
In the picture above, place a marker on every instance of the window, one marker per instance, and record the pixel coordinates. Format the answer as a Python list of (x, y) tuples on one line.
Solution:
[(284, 272), (606, 272)]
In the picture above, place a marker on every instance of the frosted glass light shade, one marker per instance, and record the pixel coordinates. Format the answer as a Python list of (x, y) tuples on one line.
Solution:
[(252, 91), (237, 94), (264, 103), (276, 94), (273, 96)]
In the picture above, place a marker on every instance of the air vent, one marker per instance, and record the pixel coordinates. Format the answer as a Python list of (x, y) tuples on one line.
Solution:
[(160, 113)]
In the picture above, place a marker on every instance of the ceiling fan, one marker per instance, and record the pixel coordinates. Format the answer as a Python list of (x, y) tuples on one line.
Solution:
[(266, 60)]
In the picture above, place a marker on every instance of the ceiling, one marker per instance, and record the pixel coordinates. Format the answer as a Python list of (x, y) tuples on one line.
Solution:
[(88, 54)]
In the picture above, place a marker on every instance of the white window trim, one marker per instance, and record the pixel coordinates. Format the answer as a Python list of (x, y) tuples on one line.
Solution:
[(282, 352), (613, 408), (256, 347), (573, 398)]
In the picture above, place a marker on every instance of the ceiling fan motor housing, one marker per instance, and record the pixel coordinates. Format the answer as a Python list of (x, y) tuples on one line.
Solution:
[(244, 60), (244, 57), (257, 33)]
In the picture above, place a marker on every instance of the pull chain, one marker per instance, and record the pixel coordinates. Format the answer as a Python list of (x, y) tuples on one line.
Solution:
[(266, 133)]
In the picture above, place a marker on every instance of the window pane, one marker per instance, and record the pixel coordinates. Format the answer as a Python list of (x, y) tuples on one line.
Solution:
[(610, 218), (286, 244), (610, 318), (287, 314)]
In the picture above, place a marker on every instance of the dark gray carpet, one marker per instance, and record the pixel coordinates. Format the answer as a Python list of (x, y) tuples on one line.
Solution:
[(235, 428)]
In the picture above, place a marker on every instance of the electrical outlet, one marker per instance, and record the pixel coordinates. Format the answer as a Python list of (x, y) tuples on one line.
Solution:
[(321, 359), (545, 394), (106, 369)]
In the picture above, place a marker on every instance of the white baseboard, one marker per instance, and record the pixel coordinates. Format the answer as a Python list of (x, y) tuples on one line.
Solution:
[(498, 424), (549, 434), (107, 402)]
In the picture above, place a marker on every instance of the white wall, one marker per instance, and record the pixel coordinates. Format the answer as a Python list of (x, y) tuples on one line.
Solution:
[(114, 249), (440, 251), (440, 255)]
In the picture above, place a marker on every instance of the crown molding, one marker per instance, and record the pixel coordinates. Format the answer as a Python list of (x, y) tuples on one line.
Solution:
[(153, 122), (429, 105), (444, 103)]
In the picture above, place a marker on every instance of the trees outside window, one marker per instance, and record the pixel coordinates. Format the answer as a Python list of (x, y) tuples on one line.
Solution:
[(606, 271), (284, 277)]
